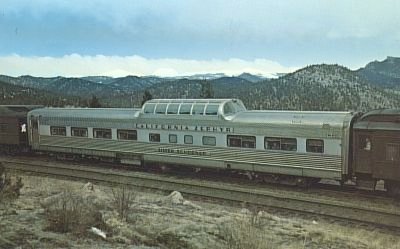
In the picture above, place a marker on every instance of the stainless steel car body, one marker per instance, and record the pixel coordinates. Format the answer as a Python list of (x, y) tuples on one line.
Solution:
[(189, 122)]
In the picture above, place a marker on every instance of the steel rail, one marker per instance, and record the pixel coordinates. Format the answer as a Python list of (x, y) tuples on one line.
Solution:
[(310, 205)]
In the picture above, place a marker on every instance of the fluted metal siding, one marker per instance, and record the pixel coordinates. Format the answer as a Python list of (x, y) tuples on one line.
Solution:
[(87, 122), (328, 166)]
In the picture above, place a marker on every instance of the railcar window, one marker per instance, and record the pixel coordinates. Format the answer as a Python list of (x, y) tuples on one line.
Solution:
[(364, 143), (212, 109), (185, 108), (58, 131), (229, 108), (154, 137), (102, 133), (149, 108), (161, 108), (241, 141), (315, 145), (234, 141), (198, 109), (188, 139), (173, 139), (248, 142), (280, 143), (127, 134), (272, 143), (393, 152), (289, 144), (173, 109), (207, 140), (3, 128), (79, 132)]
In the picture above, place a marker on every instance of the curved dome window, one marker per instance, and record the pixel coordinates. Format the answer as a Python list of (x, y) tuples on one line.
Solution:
[(149, 108), (198, 109), (212, 109), (173, 109), (161, 108), (185, 108)]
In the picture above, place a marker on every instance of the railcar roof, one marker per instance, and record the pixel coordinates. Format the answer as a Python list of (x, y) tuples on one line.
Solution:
[(16, 110), (335, 119), (104, 113), (383, 119), (381, 112), (191, 101), (198, 107)]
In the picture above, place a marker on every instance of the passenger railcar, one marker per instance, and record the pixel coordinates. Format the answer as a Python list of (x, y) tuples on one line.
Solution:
[(13, 127), (217, 133), (377, 149)]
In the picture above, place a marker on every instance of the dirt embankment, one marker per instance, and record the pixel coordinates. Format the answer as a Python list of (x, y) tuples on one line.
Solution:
[(52, 213)]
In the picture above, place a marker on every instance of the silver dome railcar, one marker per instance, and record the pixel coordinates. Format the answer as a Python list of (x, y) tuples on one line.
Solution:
[(215, 133)]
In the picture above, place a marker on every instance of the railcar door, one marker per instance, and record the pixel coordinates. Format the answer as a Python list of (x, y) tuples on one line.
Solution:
[(23, 134), (34, 128), (363, 153), (387, 159)]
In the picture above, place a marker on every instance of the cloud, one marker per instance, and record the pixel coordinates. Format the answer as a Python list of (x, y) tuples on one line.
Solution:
[(259, 20), (76, 65), (292, 32)]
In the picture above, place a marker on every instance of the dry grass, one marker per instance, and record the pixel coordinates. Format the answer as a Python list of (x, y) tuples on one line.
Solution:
[(244, 233), (9, 188), (9, 191), (177, 226), (69, 212), (354, 237), (170, 240)]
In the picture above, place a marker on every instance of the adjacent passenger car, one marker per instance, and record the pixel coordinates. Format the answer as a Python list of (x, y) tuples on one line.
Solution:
[(13, 127), (377, 149)]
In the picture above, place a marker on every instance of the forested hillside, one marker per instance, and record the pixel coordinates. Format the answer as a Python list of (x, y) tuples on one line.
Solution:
[(17, 95), (316, 87), (320, 87), (384, 73)]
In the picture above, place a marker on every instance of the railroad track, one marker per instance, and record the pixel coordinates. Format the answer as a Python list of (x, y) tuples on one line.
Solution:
[(260, 197)]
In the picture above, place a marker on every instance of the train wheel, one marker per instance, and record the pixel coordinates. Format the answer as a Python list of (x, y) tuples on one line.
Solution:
[(306, 182), (393, 188), (271, 178)]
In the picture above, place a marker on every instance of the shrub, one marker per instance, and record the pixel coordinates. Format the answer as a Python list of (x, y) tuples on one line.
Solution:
[(123, 199), (243, 233), (9, 189), (69, 212)]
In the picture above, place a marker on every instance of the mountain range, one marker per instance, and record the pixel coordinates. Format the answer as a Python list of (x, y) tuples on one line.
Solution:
[(385, 73), (315, 87)]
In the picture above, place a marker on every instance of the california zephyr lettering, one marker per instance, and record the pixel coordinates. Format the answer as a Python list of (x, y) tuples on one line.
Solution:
[(213, 129)]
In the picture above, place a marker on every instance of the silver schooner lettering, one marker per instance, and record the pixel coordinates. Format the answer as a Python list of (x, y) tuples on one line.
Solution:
[(184, 151)]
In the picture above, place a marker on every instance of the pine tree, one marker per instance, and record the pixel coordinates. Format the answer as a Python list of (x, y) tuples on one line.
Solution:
[(146, 96), (207, 91), (94, 102)]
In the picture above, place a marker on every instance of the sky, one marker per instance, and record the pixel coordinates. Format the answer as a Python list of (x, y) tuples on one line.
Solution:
[(184, 37)]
